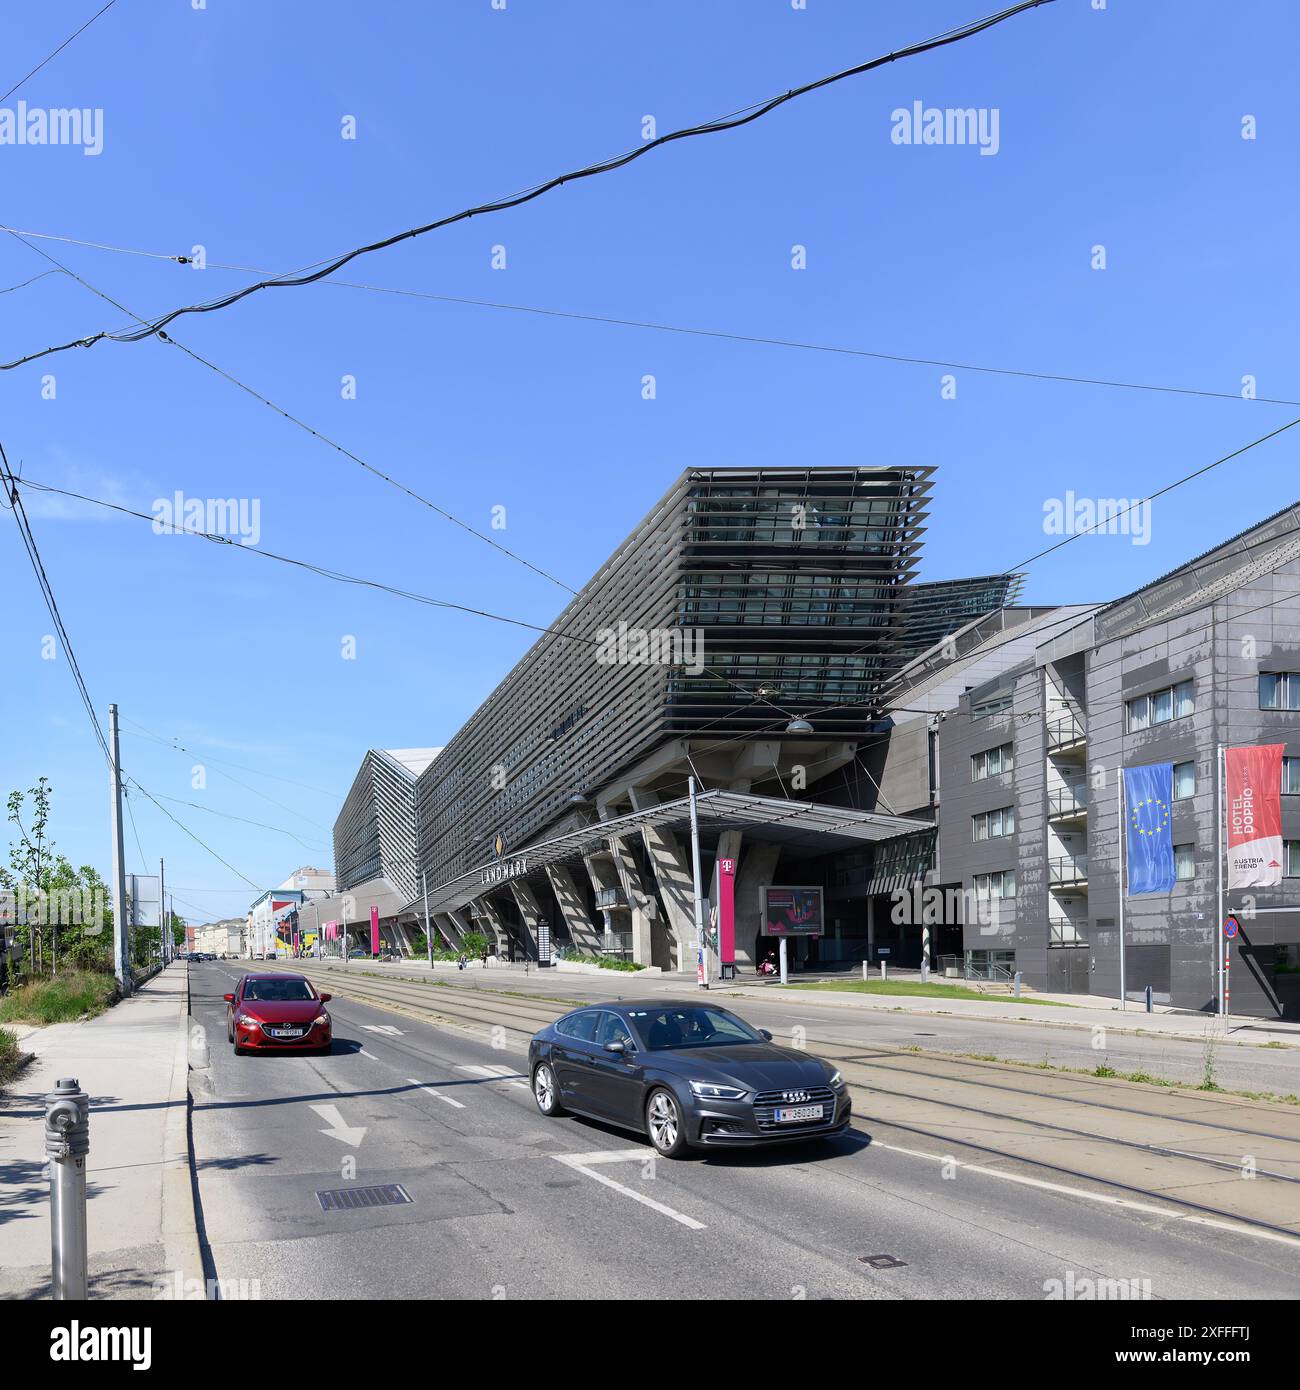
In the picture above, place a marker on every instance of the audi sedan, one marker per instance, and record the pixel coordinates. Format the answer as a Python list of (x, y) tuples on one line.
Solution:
[(686, 1074), (278, 1013)]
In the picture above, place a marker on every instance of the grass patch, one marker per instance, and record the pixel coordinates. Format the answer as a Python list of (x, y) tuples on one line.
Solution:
[(927, 991), (62, 999), (9, 1056)]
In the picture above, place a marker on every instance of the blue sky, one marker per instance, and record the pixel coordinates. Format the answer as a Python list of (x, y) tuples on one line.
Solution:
[(222, 128)]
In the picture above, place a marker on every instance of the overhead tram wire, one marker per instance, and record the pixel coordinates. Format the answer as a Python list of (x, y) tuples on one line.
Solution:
[(744, 116), (12, 492), (49, 57), (723, 335), (196, 838), (302, 424)]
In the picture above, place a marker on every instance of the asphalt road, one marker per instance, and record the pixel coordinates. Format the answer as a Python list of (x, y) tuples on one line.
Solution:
[(506, 1204)]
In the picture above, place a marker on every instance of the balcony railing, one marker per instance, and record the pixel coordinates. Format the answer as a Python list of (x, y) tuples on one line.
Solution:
[(1065, 730), (1069, 871), (611, 897), (1067, 802)]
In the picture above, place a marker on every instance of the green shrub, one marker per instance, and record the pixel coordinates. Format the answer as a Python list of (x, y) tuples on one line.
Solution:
[(9, 1055), (616, 963), (59, 1000)]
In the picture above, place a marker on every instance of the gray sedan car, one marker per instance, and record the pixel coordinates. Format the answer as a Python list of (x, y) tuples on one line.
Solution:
[(685, 1073)]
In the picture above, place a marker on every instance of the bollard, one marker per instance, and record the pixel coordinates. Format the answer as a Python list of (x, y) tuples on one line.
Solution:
[(1149, 1009), (884, 970), (1017, 990), (67, 1142)]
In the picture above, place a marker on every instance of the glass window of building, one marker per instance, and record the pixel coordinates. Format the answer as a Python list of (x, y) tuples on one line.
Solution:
[(992, 762), (1291, 776), (1184, 780), (992, 825), (1174, 702), (1184, 861), (1291, 858), (1279, 690)]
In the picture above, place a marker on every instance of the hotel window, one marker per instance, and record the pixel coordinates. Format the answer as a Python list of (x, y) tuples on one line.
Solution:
[(1174, 702), (1291, 776), (992, 762), (992, 825), (997, 885), (1184, 861), (1291, 858), (1279, 690), (1184, 780)]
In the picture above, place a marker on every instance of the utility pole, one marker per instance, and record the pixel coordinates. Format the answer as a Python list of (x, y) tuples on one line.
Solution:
[(702, 976), (120, 968), (162, 913)]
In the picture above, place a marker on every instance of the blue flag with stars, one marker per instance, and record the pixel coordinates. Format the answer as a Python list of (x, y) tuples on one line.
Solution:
[(1148, 795)]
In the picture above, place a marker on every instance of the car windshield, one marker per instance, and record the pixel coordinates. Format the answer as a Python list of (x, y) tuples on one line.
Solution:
[(278, 991), (690, 1027)]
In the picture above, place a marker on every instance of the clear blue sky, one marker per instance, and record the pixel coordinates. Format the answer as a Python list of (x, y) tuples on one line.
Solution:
[(222, 128)]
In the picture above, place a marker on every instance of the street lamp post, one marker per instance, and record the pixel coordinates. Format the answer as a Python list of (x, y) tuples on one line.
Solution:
[(702, 977)]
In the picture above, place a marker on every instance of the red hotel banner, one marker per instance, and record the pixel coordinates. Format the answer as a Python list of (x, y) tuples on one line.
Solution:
[(1254, 811)]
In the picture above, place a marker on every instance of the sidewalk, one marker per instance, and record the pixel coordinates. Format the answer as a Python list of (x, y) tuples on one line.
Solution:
[(132, 1060)]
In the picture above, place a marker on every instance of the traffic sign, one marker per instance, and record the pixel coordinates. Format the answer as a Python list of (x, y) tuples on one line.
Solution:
[(1231, 927)]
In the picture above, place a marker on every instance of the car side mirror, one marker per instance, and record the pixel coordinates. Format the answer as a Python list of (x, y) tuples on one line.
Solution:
[(229, 998), (325, 998), (766, 1034), (615, 1047)]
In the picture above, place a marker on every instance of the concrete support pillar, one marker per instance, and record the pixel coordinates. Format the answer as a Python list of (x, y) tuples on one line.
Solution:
[(444, 925), (672, 868), (603, 874), (459, 920), (493, 925), (583, 931), (530, 914), (642, 907)]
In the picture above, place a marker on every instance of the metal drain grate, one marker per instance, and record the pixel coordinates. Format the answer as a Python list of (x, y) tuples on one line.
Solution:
[(357, 1198), (882, 1262)]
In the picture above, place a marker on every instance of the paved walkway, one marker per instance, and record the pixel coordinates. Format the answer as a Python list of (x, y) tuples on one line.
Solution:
[(133, 1062)]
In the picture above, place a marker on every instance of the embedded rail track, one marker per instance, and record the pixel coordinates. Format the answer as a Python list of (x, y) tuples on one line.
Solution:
[(1223, 1158)]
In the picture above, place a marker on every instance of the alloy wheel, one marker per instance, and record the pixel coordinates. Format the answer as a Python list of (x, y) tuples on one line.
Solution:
[(663, 1121)]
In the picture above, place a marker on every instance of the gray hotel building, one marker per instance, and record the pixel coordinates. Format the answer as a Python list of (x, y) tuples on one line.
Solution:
[(939, 757)]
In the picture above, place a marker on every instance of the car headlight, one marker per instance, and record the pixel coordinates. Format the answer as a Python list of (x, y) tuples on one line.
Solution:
[(319, 1019), (837, 1081), (707, 1090), (245, 1021)]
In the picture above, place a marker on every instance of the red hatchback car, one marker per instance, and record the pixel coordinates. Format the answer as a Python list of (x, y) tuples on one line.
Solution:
[(278, 1013)]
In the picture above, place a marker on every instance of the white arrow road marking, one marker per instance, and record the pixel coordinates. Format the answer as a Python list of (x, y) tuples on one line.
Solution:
[(583, 1163), (371, 1055), (437, 1095), (348, 1134), (383, 1028), (496, 1073)]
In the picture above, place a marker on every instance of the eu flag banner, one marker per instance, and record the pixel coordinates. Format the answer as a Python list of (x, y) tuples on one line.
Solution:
[(1148, 795)]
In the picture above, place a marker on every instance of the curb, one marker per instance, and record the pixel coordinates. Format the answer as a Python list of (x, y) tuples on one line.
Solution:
[(180, 1227)]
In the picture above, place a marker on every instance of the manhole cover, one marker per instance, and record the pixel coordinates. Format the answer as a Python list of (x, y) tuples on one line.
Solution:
[(356, 1198), (882, 1262)]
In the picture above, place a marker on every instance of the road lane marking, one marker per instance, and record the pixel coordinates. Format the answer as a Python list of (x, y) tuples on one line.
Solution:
[(371, 1055), (437, 1095), (348, 1134), (384, 1028), (495, 1073), (583, 1163), (1105, 1198)]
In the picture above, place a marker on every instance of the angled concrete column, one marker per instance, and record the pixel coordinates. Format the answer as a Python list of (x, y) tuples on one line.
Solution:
[(582, 930), (494, 926), (641, 909), (459, 920), (672, 868), (444, 924), (530, 914), (603, 874)]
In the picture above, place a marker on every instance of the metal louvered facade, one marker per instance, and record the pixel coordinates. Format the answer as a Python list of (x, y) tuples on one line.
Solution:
[(375, 833), (937, 610), (790, 579)]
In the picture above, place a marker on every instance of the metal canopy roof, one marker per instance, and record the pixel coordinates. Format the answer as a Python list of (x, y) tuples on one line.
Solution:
[(807, 824)]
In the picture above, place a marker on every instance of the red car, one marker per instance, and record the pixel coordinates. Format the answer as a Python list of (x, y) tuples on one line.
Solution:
[(278, 1013)]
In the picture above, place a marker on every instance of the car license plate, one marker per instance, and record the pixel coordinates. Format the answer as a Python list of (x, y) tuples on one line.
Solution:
[(791, 1115), (286, 1032)]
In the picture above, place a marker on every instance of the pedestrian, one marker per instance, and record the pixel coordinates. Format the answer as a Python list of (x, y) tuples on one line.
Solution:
[(483, 957), (460, 961)]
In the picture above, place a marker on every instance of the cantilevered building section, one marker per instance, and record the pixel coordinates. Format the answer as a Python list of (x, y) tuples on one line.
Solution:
[(745, 597), (935, 611), (375, 833)]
